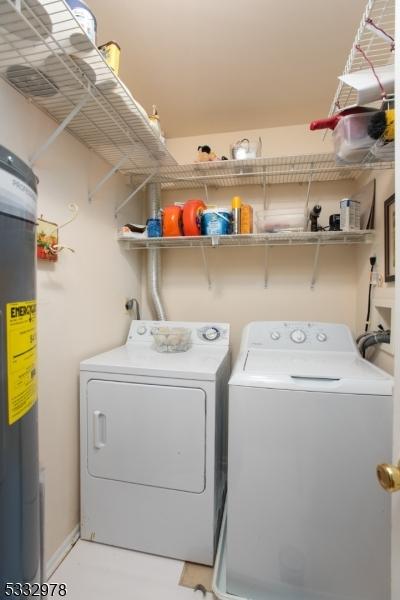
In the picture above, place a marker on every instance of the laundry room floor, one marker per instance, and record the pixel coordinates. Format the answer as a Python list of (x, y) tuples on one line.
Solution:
[(97, 572)]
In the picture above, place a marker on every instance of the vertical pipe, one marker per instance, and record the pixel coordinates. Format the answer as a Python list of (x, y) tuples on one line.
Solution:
[(154, 255)]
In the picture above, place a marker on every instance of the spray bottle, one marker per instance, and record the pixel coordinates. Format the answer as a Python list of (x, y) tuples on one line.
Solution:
[(236, 205)]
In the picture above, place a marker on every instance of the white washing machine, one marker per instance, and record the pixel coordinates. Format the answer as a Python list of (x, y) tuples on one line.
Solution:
[(153, 443), (309, 421)]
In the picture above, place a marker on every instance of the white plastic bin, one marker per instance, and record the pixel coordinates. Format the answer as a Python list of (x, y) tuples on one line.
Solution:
[(274, 220), (350, 138), (383, 151)]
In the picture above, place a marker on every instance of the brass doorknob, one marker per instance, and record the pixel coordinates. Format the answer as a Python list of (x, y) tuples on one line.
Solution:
[(389, 477)]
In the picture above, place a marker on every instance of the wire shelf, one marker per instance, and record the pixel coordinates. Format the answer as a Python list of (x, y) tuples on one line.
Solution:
[(382, 12), (303, 238), (258, 171), (46, 56)]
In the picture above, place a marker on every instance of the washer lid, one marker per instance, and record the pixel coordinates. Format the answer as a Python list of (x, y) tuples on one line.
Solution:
[(340, 372), (200, 363)]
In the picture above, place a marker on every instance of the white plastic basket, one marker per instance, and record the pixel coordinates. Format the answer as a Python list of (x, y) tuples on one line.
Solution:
[(171, 339), (281, 219)]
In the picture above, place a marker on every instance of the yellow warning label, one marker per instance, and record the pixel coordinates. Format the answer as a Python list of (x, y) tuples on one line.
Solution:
[(21, 358)]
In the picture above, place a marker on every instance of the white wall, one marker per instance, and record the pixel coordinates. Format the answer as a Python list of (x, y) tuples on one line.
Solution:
[(80, 298)]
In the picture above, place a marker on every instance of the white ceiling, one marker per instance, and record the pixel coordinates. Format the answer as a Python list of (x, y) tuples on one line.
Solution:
[(225, 65)]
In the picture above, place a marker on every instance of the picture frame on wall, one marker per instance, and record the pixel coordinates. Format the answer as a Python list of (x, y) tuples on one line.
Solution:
[(46, 240), (390, 230)]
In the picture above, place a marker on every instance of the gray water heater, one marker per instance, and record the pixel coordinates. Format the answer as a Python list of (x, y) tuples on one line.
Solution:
[(19, 465)]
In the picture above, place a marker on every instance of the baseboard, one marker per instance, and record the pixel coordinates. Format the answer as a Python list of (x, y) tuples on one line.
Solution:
[(62, 551)]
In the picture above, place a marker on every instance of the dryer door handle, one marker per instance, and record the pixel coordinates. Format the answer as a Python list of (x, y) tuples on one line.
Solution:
[(99, 429)]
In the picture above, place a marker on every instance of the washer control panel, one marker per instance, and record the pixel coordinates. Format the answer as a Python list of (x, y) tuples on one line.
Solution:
[(141, 332), (299, 335)]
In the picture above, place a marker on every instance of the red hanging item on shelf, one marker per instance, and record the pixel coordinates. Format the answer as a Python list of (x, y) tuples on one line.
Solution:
[(331, 122)]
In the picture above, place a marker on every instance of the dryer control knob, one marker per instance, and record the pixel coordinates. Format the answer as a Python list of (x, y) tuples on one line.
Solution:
[(275, 335), (211, 334), (322, 337), (141, 330), (298, 336)]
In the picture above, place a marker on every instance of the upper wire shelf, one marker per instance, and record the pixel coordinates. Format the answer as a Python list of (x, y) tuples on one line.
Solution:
[(258, 171), (46, 56), (378, 50)]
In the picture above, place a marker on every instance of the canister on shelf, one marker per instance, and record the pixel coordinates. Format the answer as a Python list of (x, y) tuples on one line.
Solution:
[(85, 17), (172, 221), (349, 214), (191, 216), (216, 221), (246, 218), (111, 51), (236, 206), (153, 227)]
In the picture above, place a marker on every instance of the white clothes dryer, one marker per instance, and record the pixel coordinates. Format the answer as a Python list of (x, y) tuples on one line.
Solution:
[(153, 443), (309, 421)]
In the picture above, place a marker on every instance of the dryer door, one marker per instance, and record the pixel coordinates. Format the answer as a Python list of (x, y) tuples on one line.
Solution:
[(147, 434)]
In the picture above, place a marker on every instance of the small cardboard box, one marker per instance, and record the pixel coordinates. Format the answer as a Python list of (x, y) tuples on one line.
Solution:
[(349, 214)]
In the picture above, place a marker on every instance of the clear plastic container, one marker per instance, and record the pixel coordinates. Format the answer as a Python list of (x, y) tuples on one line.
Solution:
[(282, 219), (382, 151), (350, 138), (171, 339)]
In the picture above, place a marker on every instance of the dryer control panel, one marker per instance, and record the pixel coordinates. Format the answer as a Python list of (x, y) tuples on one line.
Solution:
[(298, 335), (212, 334)]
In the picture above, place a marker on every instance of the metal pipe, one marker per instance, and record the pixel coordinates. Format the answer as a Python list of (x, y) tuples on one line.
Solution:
[(154, 255)]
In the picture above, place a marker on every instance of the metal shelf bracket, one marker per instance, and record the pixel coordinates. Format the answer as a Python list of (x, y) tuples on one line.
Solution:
[(102, 181), (135, 191), (59, 129), (266, 255), (206, 268), (265, 190), (309, 190), (315, 265)]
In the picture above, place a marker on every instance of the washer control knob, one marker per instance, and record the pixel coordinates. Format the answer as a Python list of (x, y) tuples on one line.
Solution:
[(275, 335), (298, 336), (142, 329), (211, 334), (322, 337)]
